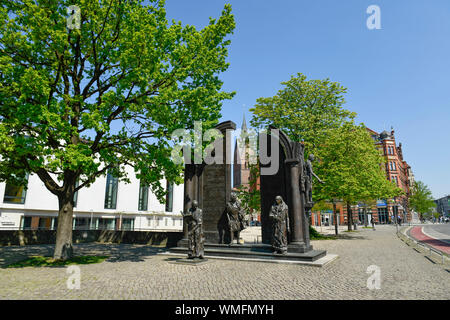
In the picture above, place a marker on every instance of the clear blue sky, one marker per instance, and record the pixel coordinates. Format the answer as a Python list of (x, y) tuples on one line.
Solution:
[(397, 76)]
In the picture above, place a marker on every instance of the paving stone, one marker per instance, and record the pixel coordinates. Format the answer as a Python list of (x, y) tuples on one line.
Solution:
[(137, 272)]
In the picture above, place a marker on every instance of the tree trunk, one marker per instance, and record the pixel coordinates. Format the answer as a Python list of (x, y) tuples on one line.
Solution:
[(63, 247), (349, 217), (365, 217), (336, 228)]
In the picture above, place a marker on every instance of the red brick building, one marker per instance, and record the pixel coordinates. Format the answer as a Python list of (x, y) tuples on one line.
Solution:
[(397, 170)]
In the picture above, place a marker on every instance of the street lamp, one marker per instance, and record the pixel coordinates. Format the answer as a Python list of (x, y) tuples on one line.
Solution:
[(395, 208)]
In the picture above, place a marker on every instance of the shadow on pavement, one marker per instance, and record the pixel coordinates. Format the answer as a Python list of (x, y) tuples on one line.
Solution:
[(116, 252)]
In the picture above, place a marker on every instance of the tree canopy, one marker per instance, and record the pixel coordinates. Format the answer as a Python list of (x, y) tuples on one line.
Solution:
[(78, 101), (352, 167), (304, 109), (421, 199)]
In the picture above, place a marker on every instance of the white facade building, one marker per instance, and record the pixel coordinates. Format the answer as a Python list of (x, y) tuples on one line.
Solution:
[(106, 204)]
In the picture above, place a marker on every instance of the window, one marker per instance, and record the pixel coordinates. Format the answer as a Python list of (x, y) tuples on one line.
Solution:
[(111, 192), (26, 223), (361, 215), (15, 194), (128, 224), (149, 221), (395, 179), (169, 197), (81, 224), (383, 215), (390, 150), (106, 224), (54, 225), (143, 197)]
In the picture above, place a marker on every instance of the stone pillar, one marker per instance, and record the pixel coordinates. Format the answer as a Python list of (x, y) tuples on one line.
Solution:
[(210, 185), (299, 238), (215, 188)]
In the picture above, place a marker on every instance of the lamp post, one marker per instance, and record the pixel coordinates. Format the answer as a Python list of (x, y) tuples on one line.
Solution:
[(395, 208), (335, 218)]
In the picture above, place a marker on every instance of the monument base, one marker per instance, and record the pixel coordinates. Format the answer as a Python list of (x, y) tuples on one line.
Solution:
[(253, 251), (191, 262), (300, 247)]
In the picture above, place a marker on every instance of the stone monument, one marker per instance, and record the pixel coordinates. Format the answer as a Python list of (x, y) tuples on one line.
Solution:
[(235, 218), (280, 217), (284, 224), (193, 218)]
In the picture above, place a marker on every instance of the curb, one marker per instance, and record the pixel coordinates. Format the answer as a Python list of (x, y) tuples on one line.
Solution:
[(406, 237)]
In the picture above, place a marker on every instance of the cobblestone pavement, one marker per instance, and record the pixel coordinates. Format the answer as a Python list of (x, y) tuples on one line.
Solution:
[(137, 272)]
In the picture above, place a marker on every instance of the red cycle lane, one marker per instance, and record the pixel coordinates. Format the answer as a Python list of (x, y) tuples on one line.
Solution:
[(416, 233)]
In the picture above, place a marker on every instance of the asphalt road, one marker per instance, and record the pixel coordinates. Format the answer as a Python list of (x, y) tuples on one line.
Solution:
[(438, 231)]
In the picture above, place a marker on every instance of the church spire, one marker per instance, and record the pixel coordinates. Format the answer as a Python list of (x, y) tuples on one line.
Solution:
[(244, 124)]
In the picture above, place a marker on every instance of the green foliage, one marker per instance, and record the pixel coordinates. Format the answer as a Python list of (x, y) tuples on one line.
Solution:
[(76, 103), (250, 197), (40, 261), (322, 206), (315, 235), (304, 110), (421, 199), (351, 167)]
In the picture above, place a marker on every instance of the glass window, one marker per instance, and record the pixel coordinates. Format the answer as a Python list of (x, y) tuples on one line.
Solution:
[(143, 197), (106, 224), (111, 192), (383, 215), (54, 225), (361, 216), (26, 223), (15, 194), (128, 224), (81, 224), (169, 197)]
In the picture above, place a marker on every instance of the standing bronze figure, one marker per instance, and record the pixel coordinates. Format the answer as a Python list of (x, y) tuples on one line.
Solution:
[(194, 221), (235, 216), (309, 174), (280, 217)]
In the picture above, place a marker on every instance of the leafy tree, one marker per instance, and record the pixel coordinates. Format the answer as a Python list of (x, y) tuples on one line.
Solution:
[(76, 103), (421, 199), (304, 109), (351, 168), (250, 197)]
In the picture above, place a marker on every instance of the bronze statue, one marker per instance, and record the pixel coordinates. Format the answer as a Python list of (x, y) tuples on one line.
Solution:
[(235, 216), (194, 221), (279, 215), (309, 174)]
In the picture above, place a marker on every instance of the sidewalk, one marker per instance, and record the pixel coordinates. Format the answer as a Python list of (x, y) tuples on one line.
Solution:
[(253, 234), (330, 229)]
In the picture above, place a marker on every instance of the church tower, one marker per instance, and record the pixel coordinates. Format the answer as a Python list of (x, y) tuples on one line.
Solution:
[(241, 169)]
